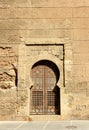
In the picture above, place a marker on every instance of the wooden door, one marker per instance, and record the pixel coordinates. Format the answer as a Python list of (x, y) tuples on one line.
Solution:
[(44, 94)]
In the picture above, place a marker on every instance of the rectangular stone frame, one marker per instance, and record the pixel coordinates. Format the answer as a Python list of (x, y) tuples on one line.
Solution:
[(23, 91)]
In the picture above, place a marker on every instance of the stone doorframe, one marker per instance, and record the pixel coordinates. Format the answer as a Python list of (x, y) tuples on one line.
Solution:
[(25, 63)]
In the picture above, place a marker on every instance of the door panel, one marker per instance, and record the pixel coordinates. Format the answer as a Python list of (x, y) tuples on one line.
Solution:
[(44, 99)]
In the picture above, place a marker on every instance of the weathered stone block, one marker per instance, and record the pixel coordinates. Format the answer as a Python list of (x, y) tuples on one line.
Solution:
[(36, 13), (80, 23), (81, 12), (80, 34)]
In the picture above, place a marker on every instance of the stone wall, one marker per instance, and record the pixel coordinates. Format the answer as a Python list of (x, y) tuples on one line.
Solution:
[(25, 22), (8, 81)]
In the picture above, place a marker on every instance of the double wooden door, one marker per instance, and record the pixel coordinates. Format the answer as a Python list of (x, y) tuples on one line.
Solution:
[(44, 95)]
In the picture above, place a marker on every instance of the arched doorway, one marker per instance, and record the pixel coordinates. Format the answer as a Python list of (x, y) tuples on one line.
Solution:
[(45, 94)]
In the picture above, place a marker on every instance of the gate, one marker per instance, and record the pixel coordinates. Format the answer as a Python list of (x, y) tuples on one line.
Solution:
[(44, 95)]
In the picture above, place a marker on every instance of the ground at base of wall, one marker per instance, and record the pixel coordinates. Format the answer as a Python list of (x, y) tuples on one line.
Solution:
[(45, 125)]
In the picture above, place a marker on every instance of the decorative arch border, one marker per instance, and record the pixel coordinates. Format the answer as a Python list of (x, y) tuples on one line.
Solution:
[(53, 59)]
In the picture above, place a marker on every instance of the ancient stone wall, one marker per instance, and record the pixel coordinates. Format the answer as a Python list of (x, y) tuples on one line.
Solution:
[(25, 22), (8, 80)]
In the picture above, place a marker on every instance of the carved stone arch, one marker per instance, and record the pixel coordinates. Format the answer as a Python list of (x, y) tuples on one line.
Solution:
[(50, 58)]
